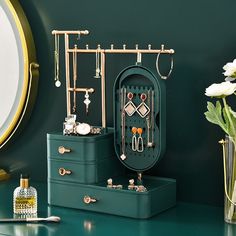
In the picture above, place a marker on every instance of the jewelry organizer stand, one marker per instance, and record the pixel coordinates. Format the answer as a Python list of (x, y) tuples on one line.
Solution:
[(84, 165)]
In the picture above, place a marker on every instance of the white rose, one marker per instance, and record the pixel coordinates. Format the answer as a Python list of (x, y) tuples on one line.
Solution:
[(230, 70), (221, 90)]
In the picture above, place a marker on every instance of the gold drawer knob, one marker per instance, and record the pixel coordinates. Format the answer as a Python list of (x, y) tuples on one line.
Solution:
[(62, 150), (88, 200), (63, 171)]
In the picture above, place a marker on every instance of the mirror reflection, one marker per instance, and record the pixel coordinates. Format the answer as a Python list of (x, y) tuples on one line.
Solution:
[(15, 61)]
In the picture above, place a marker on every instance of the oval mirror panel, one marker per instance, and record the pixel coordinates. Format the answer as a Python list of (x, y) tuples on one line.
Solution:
[(18, 69)]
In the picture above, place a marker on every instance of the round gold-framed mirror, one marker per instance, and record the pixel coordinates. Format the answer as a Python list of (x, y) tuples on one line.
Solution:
[(18, 70)]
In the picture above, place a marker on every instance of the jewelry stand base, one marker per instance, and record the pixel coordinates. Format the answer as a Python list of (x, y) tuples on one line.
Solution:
[(160, 195)]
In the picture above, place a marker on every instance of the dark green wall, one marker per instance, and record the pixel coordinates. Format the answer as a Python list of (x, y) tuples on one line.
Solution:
[(203, 35)]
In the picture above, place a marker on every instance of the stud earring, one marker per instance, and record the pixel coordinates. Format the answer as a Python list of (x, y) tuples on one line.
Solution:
[(143, 108), (109, 183), (134, 139), (131, 185), (87, 101), (140, 140), (129, 107)]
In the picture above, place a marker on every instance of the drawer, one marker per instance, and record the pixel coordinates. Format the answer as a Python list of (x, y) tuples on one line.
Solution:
[(83, 172), (98, 198), (80, 148)]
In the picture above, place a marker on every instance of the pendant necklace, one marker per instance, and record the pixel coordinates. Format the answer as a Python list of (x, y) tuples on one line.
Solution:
[(123, 97)]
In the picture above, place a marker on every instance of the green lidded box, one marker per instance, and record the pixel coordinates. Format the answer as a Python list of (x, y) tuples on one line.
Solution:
[(122, 202), (81, 159)]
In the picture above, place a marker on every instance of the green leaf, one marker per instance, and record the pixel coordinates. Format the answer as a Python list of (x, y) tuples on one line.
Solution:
[(232, 112), (214, 115), (233, 119)]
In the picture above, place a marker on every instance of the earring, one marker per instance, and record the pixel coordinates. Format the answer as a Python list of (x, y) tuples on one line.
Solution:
[(98, 70), (140, 140), (143, 108), (87, 101), (130, 108), (134, 139), (109, 183), (131, 185)]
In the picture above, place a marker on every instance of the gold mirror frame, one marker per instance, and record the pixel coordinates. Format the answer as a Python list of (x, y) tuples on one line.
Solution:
[(29, 76)]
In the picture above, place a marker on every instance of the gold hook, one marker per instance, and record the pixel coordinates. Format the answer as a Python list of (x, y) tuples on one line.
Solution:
[(222, 141)]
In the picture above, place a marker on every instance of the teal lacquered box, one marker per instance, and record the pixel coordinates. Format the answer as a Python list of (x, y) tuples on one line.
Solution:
[(78, 170), (82, 159), (123, 202)]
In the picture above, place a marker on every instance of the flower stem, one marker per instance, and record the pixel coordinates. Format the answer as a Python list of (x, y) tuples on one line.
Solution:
[(230, 120)]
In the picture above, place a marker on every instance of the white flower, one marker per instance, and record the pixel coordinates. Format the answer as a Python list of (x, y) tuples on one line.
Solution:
[(230, 70), (221, 90)]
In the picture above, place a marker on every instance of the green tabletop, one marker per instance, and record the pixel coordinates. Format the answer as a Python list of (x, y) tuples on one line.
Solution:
[(184, 219)]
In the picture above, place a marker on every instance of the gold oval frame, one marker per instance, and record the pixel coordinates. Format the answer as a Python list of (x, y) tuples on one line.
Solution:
[(30, 75)]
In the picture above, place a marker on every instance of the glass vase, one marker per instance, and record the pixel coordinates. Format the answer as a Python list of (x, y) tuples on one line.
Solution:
[(229, 164)]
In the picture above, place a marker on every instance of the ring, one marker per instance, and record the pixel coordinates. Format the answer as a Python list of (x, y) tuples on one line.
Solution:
[(84, 129), (141, 188)]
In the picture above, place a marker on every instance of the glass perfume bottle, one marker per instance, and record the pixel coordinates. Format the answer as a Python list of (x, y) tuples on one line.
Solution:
[(25, 197)]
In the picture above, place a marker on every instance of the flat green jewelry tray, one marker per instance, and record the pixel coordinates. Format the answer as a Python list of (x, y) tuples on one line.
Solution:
[(160, 196)]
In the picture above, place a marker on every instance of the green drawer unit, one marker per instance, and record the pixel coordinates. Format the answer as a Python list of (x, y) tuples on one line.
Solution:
[(98, 198), (82, 159), (81, 148), (83, 172)]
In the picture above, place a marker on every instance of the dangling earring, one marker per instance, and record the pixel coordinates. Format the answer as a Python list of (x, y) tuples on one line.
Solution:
[(129, 107), (87, 101), (56, 61), (98, 70), (143, 108), (140, 140), (134, 139)]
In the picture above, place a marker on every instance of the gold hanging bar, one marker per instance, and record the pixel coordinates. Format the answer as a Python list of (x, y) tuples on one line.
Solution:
[(90, 90), (86, 50), (83, 32), (147, 51), (103, 52), (154, 51)]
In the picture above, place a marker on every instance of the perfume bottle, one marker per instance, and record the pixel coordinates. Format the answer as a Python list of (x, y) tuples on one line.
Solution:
[(25, 197)]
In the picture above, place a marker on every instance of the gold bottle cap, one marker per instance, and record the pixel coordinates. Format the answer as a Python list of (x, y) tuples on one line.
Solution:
[(24, 181)]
